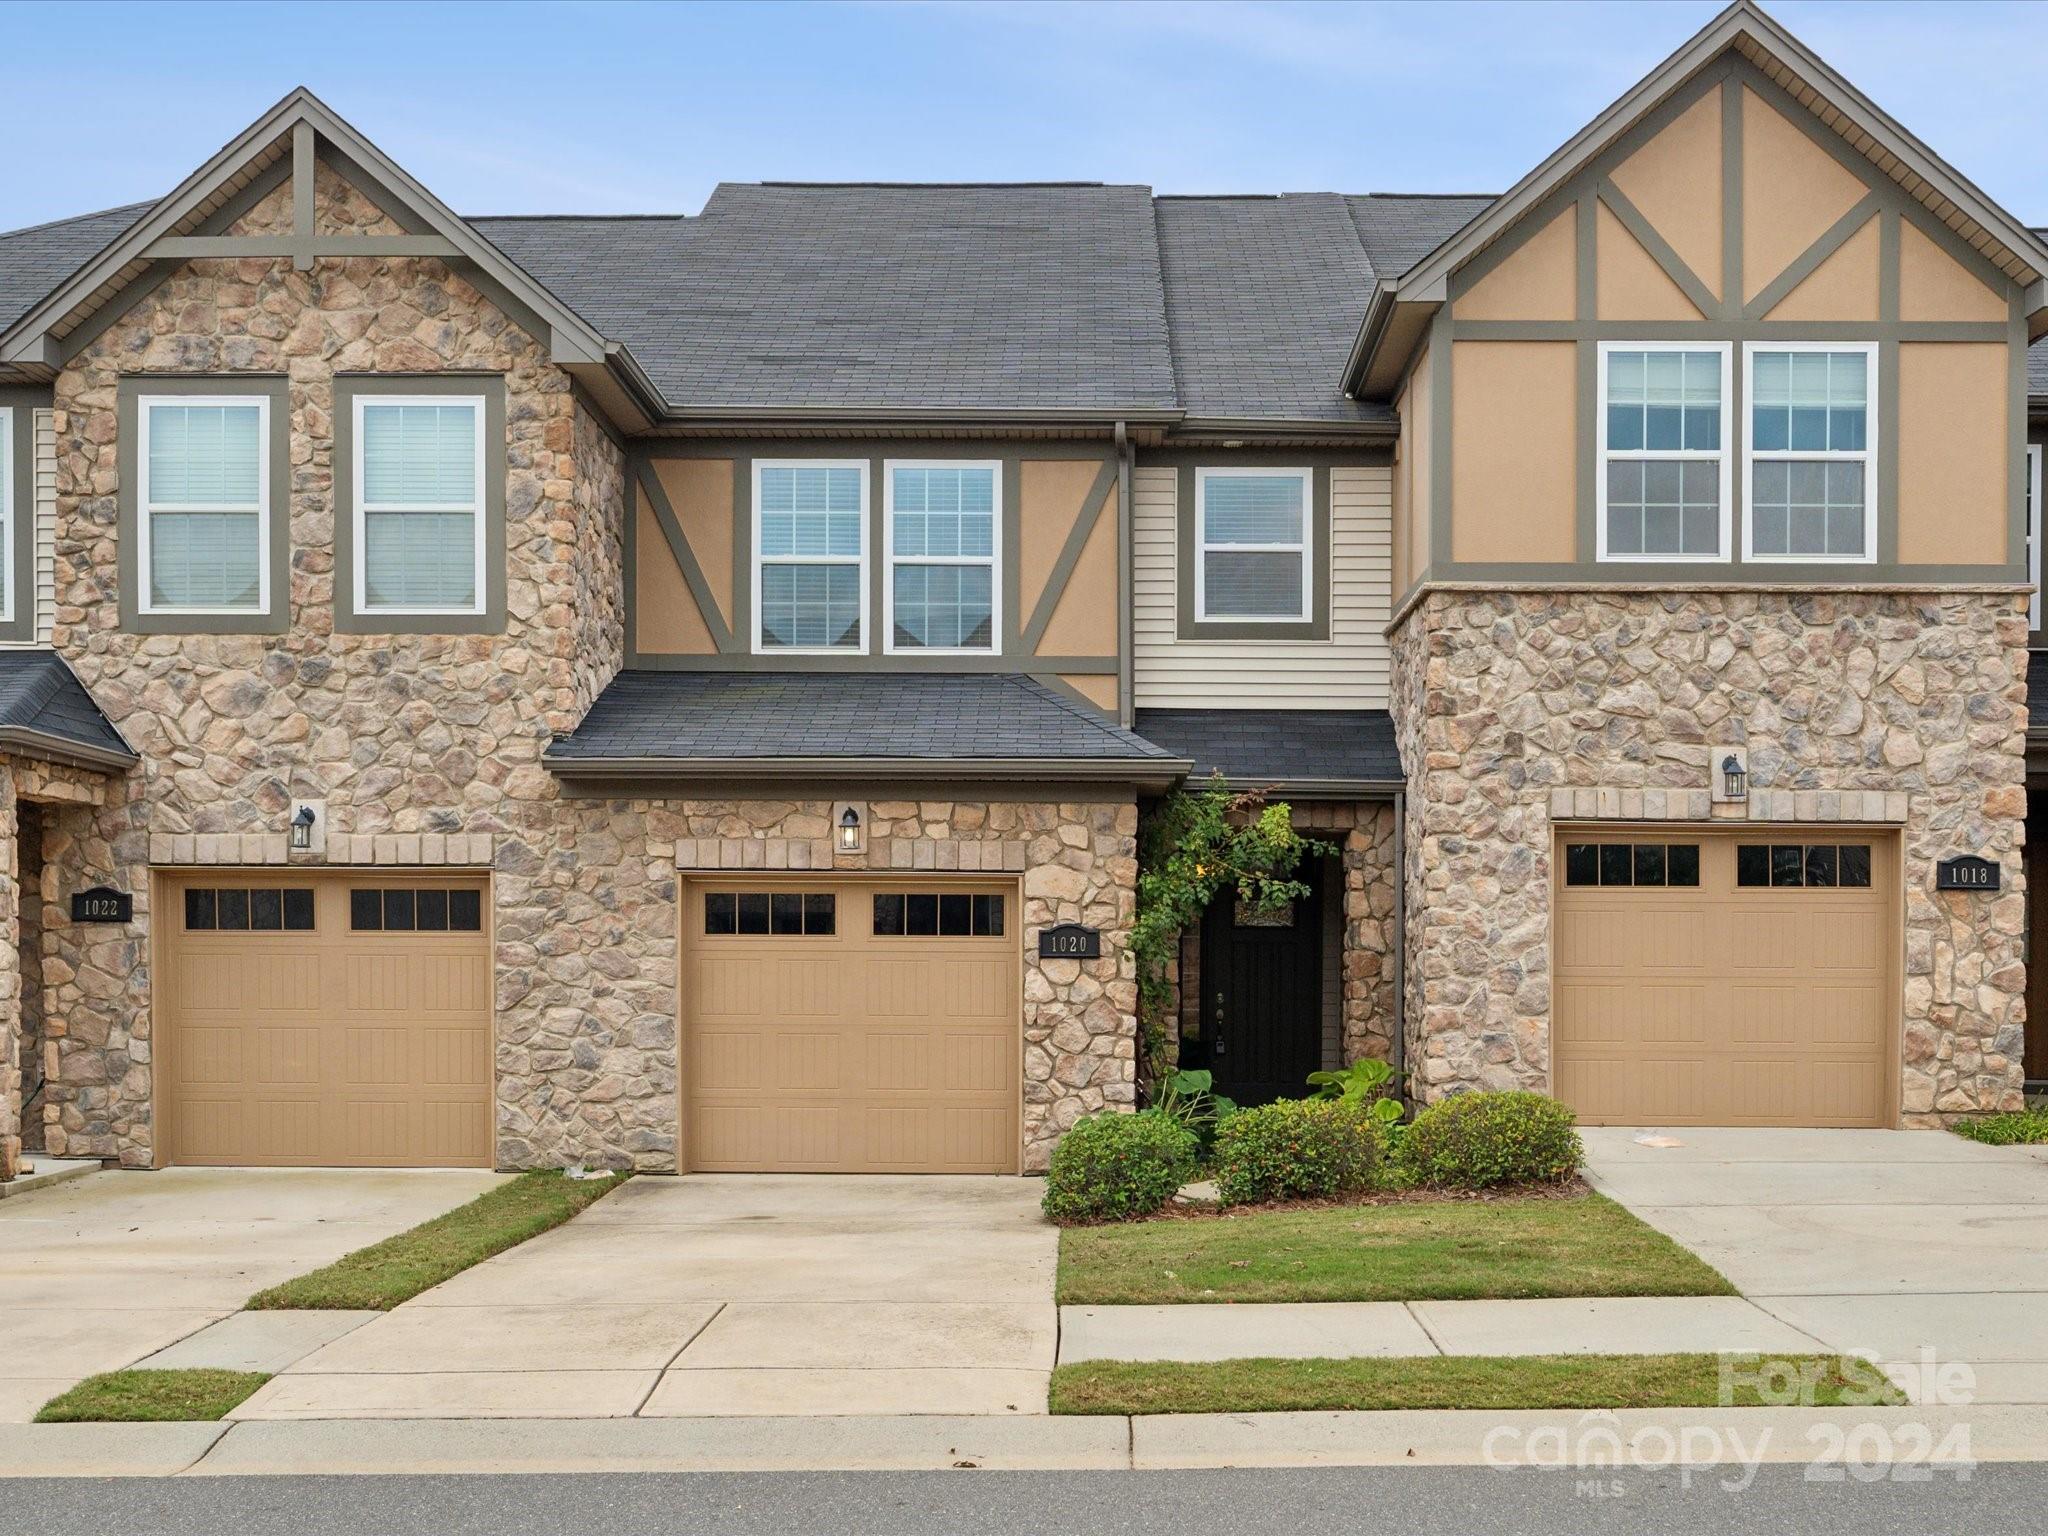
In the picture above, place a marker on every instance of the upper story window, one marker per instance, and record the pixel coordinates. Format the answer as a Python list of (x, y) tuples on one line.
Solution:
[(1664, 464), (1811, 451), (1254, 552), (945, 573), (810, 554), (204, 501), (419, 476)]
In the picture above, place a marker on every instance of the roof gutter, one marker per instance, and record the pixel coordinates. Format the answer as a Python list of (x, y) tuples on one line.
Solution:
[(1140, 772), (34, 743), (1316, 789), (1126, 660), (852, 415), (1379, 309)]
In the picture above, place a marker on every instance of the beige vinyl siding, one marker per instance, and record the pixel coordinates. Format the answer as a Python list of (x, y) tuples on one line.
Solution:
[(1347, 671), (40, 522)]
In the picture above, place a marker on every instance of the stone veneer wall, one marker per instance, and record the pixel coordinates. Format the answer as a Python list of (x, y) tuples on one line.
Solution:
[(1078, 863), (438, 736), (1916, 700)]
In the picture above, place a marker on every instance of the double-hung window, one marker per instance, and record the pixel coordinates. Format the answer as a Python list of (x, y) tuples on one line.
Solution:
[(204, 500), (810, 555), (1663, 486), (943, 525), (1254, 546), (419, 476), (1812, 451)]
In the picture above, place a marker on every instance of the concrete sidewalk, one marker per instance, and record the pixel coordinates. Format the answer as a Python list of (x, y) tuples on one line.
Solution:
[(1697, 1437)]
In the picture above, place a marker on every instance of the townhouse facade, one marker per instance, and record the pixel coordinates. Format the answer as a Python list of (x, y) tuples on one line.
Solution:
[(681, 691)]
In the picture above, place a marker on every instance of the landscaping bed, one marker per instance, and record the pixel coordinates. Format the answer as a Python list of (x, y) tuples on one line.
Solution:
[(136, 1397), (1457, 1381), (1406, 1247), (385, 1274), (2015, 1128)]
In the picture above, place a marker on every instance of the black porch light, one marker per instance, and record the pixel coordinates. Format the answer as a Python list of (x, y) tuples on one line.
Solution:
[(1734, 778), (302, 828), (849, 830)]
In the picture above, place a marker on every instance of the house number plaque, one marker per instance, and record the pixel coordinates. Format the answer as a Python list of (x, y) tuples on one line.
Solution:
[(102, 904), (1966, 872), (1069, 941)]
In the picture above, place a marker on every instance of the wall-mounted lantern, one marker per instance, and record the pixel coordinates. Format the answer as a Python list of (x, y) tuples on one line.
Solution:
[(302, 829), (1734, 778), (848, 835)]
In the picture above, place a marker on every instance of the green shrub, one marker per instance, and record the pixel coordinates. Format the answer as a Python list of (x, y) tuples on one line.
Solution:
[(1118, 1167), (1476, 1140), (1297, 1149), (2015, 1128)]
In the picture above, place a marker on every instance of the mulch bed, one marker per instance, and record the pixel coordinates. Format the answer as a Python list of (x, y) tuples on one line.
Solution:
[(1573, 1188)]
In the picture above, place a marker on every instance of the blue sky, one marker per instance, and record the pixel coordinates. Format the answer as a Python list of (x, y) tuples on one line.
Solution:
[(604, 108)]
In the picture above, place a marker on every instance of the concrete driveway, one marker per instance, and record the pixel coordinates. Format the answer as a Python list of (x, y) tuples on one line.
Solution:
[(722, 1294), (98, 1273), (1896, 1243)]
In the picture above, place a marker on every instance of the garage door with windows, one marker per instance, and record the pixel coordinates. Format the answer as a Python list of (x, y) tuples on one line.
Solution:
[(850, 1026), (1743, 978), (318, 1021)]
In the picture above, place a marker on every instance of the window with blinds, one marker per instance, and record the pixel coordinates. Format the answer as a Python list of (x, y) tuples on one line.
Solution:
[(419, 485), (1252, 545), (7, 529), (810, 562), (943, 568), (205, 504), (1812, 453)]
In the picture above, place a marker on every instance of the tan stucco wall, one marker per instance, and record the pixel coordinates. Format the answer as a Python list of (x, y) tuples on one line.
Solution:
[(1514, 451), (1050, 495), (666, 619), (1952, 453), (1844, 287), (1792, 191), (1933, 285), (1675, 182), (1084, 618), (1629, 285), (1539, 281), (701, 493)]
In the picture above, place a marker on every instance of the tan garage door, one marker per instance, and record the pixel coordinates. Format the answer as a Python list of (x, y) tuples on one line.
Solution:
[(1726, 978), (317, 1022), (850, 1026)]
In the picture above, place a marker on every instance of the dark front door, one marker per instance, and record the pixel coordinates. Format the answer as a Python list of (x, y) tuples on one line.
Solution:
[(2033, 852), (1262, 998)]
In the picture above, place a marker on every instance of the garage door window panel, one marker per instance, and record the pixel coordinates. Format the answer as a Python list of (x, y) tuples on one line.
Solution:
[(768, 913), (1635, 865), (432, 909), (953, 915), (265, 909), (1811, 866)]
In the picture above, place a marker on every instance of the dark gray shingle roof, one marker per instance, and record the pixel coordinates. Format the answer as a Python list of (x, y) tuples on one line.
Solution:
[(39, 693), (1264, 296), (1400, 228), (1279, 747), (34, 261), (646, 715)]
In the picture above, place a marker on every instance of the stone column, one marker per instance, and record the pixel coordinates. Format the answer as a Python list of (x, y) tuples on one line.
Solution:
[(1369, 875), (10, 982)]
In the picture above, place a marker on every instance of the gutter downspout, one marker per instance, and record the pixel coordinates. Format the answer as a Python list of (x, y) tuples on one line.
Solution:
[(1400, 1050), (1126, 705)]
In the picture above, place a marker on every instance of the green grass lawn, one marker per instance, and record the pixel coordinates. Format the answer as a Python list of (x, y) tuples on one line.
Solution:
[(1523, 1381), (2015, 1128), (144, 1396), (399, 1268), (1411, 1251)]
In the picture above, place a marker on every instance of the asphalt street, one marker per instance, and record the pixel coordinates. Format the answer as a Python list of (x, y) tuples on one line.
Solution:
[(1995, 1499)]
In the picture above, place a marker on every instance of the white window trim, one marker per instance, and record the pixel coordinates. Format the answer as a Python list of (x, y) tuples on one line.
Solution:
[(2034, 535), (144, 511), (1306, 549), (359, 512), (1867, 455), (761, 647), (993, 560), (1725, 454), (8, 520)]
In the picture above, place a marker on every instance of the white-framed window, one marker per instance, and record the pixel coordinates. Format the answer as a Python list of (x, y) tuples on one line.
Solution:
[(810, 556), (942, 533), (203, 503), (2033, 535), (7, 514), (1662, 491), (418, 505), (1254, 546), (1810, 451)]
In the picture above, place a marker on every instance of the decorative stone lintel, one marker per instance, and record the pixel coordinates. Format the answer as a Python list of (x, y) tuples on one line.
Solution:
[(1862, 806), (939, 855), (413, 849)]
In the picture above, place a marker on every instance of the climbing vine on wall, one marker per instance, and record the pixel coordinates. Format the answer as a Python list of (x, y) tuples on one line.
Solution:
[(1194, 845)]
